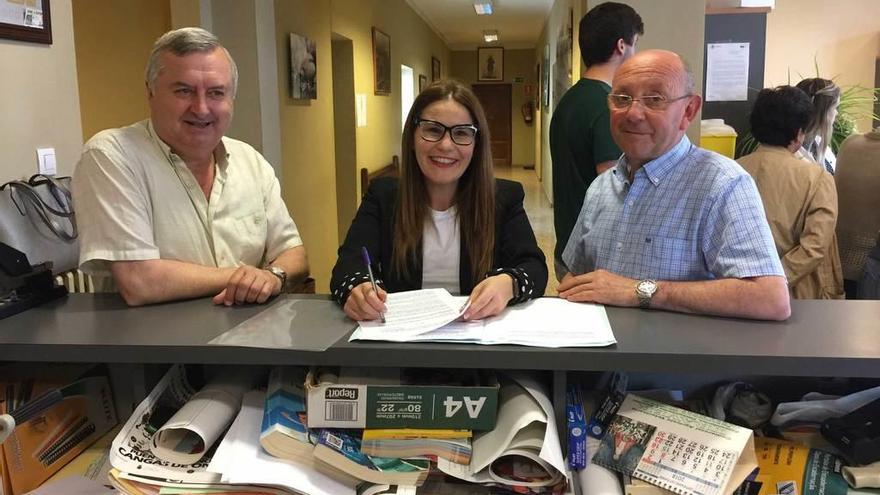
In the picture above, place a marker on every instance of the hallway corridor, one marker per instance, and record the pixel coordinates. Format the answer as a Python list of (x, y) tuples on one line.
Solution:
[(540, 214)]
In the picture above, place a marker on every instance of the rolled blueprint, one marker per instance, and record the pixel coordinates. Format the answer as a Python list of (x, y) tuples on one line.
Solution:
[(191, 432)]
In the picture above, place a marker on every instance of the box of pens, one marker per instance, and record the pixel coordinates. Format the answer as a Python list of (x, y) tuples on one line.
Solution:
[(58, 411)]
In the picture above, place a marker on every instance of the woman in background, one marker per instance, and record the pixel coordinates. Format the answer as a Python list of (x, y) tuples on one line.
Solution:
[(825, 97), (799, 198), (446, 223)]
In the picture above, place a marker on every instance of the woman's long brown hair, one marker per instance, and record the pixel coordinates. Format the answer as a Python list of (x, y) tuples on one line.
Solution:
[(474, 196)]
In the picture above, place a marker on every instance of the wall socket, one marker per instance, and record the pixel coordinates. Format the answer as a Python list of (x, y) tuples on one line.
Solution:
[(46, 161)]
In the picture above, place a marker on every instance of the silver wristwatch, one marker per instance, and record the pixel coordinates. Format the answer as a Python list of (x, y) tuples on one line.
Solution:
[(280, 273), (645, 290)]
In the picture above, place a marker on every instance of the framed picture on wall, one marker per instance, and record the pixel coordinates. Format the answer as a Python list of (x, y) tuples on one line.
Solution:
[(490, 64), (545, 79), (538, 95), (381, 62), (303, 68), (423, 81), (26, 21), (435, 69)]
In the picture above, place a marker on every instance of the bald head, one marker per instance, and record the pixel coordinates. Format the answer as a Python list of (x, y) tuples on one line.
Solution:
[(649, 128), (664, 65)]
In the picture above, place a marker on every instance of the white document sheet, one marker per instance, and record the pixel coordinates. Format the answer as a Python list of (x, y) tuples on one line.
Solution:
[(411, 313), (240, 459), (727, 72), (542, 322)]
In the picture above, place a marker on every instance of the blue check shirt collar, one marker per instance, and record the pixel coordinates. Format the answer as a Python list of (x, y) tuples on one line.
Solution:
[(657, 169)]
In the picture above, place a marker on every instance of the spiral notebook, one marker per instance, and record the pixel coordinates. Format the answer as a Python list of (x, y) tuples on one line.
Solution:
[(678, 450)]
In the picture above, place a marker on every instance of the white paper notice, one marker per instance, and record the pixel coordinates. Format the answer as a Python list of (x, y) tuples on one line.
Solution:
[(411, 313), (727, 72)]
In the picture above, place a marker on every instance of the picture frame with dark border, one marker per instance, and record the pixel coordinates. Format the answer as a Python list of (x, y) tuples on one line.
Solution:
[(35, 26), (435, 69), (381, 62), (303, 68), (423, 81), (490, 63)]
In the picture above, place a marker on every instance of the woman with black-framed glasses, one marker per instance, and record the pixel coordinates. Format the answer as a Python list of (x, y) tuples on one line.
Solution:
[(447, 222)]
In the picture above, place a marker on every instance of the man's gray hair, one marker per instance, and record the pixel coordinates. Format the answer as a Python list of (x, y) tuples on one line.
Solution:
[(182, 42), (687, 77)]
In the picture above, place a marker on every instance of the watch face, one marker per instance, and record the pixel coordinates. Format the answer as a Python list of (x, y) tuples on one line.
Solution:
[(647, 287)]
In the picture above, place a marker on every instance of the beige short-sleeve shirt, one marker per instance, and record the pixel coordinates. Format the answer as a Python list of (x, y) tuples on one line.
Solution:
[(137, 200)]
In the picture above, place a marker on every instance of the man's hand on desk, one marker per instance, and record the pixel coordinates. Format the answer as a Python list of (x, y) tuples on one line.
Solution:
[(600, 286), (249, 284), (364, 303)]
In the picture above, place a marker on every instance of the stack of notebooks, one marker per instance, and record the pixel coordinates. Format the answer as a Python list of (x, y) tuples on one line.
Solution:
[(452, 445)]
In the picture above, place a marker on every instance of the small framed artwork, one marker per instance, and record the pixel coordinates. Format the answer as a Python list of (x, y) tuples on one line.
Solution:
[(490, 64), (538, 78), (381, 62), (303, 68), (435, 69), (423, 81), (26, 21)]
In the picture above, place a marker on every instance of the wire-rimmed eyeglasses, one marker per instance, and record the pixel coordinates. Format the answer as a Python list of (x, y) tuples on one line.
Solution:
[(651, 102), (433, 131)]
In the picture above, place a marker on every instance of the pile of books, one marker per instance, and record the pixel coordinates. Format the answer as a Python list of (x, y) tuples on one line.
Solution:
[(521, 453), (222, 434)]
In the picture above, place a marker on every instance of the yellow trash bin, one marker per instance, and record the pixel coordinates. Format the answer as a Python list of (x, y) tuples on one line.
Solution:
[(717, 136)]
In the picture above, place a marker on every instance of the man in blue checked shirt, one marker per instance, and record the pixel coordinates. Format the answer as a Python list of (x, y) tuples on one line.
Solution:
[(671, 226)]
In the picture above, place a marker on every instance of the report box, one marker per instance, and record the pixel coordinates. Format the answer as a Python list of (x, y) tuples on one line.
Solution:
[(401, 398)]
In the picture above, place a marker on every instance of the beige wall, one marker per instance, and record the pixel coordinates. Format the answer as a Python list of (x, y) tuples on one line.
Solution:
[(308, 182), (39, 100), (111, 52), (517, 64), (842, 38), (234, 22), (413, 43)]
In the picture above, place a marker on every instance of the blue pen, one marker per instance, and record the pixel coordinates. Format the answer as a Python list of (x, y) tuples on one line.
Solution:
[(366, 255)]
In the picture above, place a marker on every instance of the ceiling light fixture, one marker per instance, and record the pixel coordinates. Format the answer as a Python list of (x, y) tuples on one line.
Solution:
[(490, 35), (483, 7)]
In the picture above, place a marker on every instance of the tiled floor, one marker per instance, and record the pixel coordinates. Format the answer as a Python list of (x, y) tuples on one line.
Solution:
[(540, 214)]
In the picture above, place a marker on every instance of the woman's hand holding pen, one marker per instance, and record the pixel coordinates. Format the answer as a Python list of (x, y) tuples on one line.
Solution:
[(489, 297), (364, 303)]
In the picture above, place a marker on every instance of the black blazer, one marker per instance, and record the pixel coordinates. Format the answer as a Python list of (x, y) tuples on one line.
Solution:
[(516, 250)]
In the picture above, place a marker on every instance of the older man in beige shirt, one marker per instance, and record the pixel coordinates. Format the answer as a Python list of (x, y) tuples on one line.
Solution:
[(799, 198), (169, 208)]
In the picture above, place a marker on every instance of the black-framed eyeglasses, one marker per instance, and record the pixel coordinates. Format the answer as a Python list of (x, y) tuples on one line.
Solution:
[(432, 131), (651, 102)]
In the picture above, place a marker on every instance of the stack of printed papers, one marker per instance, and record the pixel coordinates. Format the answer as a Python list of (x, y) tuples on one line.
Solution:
[(433, 315)]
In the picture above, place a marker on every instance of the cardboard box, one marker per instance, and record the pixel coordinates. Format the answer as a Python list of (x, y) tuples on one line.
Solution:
[(401, 398)]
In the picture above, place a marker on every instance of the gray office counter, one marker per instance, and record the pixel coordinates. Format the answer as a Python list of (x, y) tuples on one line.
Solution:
[(822, 338)]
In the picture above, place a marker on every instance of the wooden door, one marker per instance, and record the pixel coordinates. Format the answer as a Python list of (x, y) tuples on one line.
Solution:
[(496, 101)]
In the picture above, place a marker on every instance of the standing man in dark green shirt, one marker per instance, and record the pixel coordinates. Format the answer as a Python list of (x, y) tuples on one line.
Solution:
[(581, 147)]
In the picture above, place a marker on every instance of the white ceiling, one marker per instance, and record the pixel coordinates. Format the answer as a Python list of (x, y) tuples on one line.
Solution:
[(519, 22)]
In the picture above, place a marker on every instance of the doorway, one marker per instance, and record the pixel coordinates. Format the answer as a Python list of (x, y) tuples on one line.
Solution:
[(345, 144), (496, 101), (407, 93)]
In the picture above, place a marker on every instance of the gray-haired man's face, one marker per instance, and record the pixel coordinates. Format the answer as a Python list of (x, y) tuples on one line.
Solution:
[(191, 102)]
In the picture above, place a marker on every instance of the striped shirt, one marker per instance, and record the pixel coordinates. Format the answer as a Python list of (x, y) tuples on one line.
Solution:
[(689, 214)]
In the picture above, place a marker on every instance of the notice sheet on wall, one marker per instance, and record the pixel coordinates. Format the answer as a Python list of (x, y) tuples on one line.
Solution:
[(727, 71)]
